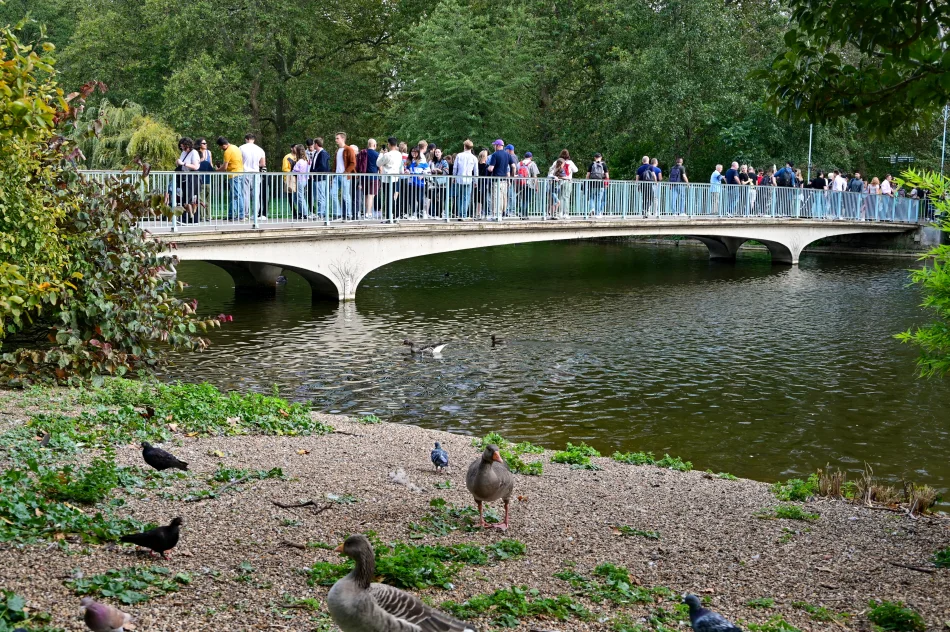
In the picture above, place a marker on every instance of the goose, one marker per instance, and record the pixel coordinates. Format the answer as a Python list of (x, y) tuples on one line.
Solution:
[(703, 620), (431, 348), (168, 273), (357, 604), (489, 479)]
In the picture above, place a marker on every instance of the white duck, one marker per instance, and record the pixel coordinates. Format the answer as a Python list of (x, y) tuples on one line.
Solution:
[(357, 604)]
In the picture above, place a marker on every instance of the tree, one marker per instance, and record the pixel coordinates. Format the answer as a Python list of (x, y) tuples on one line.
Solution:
[(885, 63), (127, 134), (80, 291)]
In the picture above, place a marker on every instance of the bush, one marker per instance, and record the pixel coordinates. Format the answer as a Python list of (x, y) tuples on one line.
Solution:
[(577, 455), (895, 616), (796, 488)]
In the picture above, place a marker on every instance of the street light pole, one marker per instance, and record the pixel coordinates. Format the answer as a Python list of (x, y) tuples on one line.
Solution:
[(811, 129), (943, 150)]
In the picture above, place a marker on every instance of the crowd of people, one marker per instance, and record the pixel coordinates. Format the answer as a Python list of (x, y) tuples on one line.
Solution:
[(401, 182)]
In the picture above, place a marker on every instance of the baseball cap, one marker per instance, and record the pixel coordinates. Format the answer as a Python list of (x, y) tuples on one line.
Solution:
[(528, 154), (511, 147), (499, 142), (598, 155)]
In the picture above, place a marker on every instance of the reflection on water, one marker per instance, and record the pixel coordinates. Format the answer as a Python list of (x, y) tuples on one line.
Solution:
[(759, 371)]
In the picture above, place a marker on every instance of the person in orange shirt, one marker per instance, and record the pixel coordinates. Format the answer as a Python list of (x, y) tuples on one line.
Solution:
[(233, 164), (340, 187)]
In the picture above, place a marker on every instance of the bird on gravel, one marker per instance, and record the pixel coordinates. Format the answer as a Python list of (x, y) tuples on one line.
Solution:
[(440, 458), (703, 620), (159, 539), (497, 342), (161, 460), (357, 604), (489, 479), (431, 348), (100, 617)]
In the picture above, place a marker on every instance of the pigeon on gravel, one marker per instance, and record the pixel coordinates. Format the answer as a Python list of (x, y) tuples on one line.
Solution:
[(440, 458), (100, 617), (357, 604), (161, 460), (704, 620), (159, 539), (489, 479), (430, 348)]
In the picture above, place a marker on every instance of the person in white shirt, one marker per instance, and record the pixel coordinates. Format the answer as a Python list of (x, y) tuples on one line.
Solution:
[(465, 168), (838, 183), (254, 161), (887, 187), (390, 166)]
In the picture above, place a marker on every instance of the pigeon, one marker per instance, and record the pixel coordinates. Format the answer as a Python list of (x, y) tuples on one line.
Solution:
[(159, 539), (704, 620), (431, 348), (100, 617), (489, 479), (440, 458), (161, 460), (496, 341), (357, 604)]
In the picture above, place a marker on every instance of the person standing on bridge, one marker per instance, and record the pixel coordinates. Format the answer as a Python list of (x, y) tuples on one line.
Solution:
[(464, 169), (253, 160), (715, 187), (369, 156), (597, 177), (646, 174), (677, 177), (340, 189), (501, 166), (320, 166), (732, 188), (301, 168), (390, 166), (233, 164)]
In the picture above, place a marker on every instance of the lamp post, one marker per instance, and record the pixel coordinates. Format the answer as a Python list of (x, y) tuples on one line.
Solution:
[(811, 129), (943, 149)]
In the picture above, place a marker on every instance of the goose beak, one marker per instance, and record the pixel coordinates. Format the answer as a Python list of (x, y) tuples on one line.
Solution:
[(497, 457), (338, 549)]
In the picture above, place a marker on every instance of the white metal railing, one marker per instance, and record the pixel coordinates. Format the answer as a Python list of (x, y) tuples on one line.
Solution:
[(245, 200)]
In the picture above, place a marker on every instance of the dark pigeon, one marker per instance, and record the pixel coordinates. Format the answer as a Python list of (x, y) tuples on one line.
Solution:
[(704, 620), (440, 458), (161, 460), (159, 539)]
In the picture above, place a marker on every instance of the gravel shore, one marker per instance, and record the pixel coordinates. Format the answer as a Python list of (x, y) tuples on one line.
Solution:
[(709, 541)]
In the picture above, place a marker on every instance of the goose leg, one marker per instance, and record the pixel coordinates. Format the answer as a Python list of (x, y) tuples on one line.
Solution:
[(481, 517), (504, 525)]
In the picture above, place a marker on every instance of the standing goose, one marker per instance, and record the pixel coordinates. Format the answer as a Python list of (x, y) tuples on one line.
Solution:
[(489, 479), (357, 604)]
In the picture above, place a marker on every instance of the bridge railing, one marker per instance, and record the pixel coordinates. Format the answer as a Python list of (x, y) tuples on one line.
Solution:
[(212, 200)]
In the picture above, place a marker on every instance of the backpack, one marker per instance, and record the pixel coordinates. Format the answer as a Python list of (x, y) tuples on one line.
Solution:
[(597, 171), (782, 178), (362, 161), (766, 181), (648, 175), (676, 174)]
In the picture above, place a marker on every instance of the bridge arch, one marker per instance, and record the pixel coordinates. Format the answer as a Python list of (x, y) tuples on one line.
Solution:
[(251, 277)]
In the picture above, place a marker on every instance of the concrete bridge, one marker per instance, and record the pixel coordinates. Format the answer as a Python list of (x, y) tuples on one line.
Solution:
[(334, 259)]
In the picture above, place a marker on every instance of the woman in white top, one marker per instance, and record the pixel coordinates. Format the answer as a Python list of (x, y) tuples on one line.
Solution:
[(188, 163), (568, 169), (301, 168)]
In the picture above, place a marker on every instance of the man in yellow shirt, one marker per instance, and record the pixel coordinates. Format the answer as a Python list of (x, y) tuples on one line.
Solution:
[(233, 164), (290, 181)]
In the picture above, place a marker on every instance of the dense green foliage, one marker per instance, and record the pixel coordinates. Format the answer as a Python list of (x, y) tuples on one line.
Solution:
[(80, 290), (14, 615), (885, 63), (624, 78), (507, 606), (895, 616), (796, 488)]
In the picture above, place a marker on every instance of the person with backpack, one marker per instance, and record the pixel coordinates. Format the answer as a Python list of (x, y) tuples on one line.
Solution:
[(597, 177), (647, 175), (677, 193), (785, 177), (526, 182)]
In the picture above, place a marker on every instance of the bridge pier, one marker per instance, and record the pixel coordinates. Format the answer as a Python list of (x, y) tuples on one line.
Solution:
[(725, 249), (251, 277)]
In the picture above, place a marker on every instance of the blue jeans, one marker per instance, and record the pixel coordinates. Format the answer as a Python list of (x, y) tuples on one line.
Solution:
[(236, 208), (341, 184), (320, 182), (676, 199), (302, 209), (463, 197), (598, 198)]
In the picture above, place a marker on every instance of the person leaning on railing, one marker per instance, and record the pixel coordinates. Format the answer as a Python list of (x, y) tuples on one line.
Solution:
[(390, 166), (233, 164)]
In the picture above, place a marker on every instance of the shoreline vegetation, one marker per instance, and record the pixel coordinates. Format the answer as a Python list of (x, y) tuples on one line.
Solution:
[(597, 542)]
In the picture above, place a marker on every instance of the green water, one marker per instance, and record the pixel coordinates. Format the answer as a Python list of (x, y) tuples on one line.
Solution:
[(765, 372)]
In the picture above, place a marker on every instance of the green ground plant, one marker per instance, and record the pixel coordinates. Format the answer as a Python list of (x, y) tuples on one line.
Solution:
[(647, 458), (420, 566), (796, 488), (508, 606), (369, 419), (444, 518), (775, 624), (626, 530), (820, 613), (578, 456), (512, 453), (611, 583), (895, 617), (226, 479), (786, 512), (941, 558), (13, 615), (761, 602), (726, 476), (132, 585)]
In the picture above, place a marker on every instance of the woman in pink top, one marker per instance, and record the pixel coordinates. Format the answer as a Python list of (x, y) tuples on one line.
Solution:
[(301, 168)]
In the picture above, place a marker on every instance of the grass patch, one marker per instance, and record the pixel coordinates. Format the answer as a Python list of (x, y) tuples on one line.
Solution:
[(411, 566), (443, 485), (726, 476), (796, 489), (647, 458), (445, 518), (369, 419), (13, 614), (512, 452), (226, 479), (131, 585), (820, 613), (611, 583), (577, 456), (342, 499), (761, 602), (941, 558), (622, 529), (776, 624), (895, 616), (787, 512), (509, 606)]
